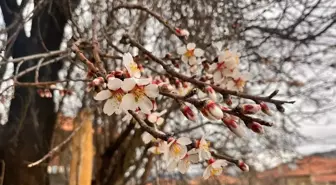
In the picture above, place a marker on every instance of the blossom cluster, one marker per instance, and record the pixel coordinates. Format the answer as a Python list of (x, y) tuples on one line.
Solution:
[(127, 90), (176, 154)]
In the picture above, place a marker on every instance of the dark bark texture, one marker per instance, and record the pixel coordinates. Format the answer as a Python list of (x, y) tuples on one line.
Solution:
[(27, 135)]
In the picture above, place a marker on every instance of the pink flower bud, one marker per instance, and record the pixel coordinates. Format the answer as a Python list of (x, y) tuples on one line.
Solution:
[(232, 123), (182, 32), (41, 93), (243, 166), (249, 108), (211, 160), (265, 108), (166, 87), (187, 112), (53, 86), (211, 93), (62, 92), (255, 127), (98, 81), (111, 75), (47, 93), (212, 111), (228, 100)]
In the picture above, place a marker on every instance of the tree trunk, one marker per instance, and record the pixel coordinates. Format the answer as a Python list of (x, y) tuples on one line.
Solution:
[(27, 135)]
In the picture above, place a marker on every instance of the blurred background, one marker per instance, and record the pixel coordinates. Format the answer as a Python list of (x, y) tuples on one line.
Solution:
[(288, 45)]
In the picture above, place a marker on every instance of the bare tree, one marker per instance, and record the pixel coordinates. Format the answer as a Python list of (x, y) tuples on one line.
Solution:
[(286, 46)]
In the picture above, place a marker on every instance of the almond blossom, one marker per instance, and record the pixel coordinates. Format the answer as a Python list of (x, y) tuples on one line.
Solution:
[(190, 53), (232, 123), (158, 147), (215, 167), (212, 111), (131, 66), (139, 94), (203, 149), (225, 67), (184, 164), (156, 118), (176, 149), (113, 95), (237, 82), (249, 108)]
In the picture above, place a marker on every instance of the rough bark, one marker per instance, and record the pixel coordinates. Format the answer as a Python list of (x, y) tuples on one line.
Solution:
[(27, 135)]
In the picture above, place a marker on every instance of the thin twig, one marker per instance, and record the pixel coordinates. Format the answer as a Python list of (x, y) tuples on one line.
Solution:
[(155, 15), (55, 149), (198, 83)]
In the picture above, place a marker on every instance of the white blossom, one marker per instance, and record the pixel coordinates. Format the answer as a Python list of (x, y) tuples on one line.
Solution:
[(190, 53), (214, 168), (113, 95)]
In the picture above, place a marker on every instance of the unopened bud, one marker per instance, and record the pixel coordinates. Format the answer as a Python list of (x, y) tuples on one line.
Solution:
[(98, 81), (166, 87), (211, 160), (41, 93), (228, 100), (249, 108), (255, 127), (53, 86), (265, 108), (211, 93), (212, 111), (187, 112), (111, 75), (47, 93), (182, 32), (62, 92), (232, 123), (243, 166)]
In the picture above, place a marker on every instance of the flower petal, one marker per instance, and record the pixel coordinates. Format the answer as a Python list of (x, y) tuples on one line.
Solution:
[(184, 59), (217, 77), (198, 52), (152, 90), (143, 81), (184, 140), (146, 137), (219, 163), (128, 102), (159, 121), (181, 50), (127, 59), (155, 150), (152, 118), (206, 173), (205, 154), (145, 104), (128, 84), (194, 158), (238, 131), (191, 46), (183, 165), (110, 106), (192, 60), (103, 95), (172, 165), (114, 83)]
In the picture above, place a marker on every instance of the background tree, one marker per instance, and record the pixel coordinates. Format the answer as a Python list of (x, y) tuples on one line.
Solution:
[(285, 45)]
